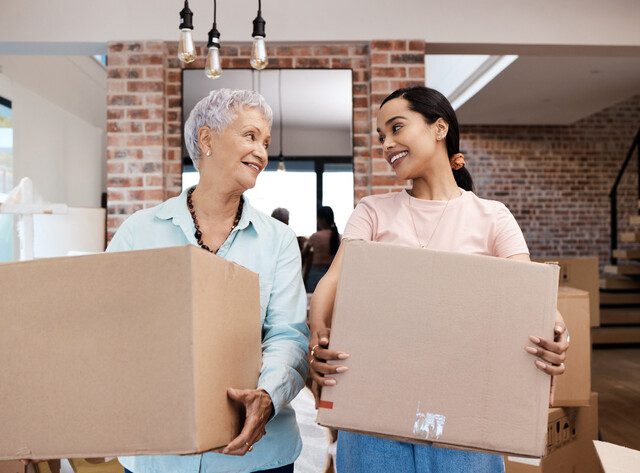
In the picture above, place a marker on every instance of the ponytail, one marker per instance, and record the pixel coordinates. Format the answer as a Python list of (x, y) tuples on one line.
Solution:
[(463, 179)]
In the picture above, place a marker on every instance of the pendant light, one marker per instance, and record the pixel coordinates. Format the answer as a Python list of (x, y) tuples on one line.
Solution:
[(212, 67), (186, 48), (259, 59)]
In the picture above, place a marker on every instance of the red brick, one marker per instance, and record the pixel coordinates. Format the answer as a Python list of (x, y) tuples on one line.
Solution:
[(380, 58), (138, 113), (417, 46), (397, 71), (330, 50), (144, 86), (124, 100), (312, 62)]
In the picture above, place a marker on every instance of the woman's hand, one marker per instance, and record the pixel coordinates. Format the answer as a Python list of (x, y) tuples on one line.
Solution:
[(550, 355), (322, 372), (258, 407)]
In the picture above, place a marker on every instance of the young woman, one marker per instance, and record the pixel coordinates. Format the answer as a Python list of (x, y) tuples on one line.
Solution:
[(322, 246), (419, 134)]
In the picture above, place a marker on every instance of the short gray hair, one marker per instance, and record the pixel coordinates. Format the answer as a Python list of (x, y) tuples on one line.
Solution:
[(217, 110)]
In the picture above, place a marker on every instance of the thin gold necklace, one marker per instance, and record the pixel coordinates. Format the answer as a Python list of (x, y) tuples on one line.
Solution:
[(422, 245)]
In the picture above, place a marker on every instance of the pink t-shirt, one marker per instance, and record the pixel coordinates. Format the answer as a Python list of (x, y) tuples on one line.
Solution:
[(468, 225)]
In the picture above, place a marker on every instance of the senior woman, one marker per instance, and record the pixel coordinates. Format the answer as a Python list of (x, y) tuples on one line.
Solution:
[(227, 135)]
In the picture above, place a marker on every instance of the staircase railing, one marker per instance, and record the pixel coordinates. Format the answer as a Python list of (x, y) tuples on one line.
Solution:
[(613, 195)]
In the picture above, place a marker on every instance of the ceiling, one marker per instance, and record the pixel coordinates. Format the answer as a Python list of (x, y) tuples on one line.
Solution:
[(546, 90)]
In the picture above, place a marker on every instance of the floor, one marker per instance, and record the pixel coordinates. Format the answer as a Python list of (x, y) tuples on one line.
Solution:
[(615, 375)]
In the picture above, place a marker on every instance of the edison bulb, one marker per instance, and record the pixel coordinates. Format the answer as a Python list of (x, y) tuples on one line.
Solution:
[(259, 59), (186, 48), (212, 67)]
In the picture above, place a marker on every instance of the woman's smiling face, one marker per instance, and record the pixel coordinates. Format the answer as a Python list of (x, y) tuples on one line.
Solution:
[(408, 141), (240, 150)]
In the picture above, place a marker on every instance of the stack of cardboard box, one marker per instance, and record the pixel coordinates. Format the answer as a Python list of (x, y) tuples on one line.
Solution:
[(573, 421)]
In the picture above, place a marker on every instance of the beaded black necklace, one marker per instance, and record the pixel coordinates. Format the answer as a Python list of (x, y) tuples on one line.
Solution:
[(198, 233)]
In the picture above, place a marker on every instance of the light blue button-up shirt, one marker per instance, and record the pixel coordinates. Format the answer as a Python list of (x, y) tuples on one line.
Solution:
[(269, 248)]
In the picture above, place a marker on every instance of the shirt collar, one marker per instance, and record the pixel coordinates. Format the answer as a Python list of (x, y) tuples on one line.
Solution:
[(176, 209)]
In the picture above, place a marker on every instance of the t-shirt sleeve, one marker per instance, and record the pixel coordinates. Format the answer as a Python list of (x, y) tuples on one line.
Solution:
[(361, 223), (508, 237)]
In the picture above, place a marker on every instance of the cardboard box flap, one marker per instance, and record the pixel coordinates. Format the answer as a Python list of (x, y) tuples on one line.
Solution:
[(452, 327), (617, 459)]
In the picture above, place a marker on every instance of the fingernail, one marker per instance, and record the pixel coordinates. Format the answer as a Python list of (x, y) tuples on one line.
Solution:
[(329, 382), (535, 340), (531, 350), (341, 369), (559, 329), (225, 451), (324, 341), (343, 356), (540, 364)]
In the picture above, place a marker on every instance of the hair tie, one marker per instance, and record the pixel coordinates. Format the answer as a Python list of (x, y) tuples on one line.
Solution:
[(457, 161)]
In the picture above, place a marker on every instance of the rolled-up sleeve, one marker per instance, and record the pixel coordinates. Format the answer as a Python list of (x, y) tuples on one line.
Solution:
[(285, 334)]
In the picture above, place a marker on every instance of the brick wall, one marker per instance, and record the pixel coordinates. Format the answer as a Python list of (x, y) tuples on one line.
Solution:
[(556, 179), (144, 110)]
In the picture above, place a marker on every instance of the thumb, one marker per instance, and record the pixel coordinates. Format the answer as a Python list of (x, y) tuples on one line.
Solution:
[(236, 394), (323, 336)]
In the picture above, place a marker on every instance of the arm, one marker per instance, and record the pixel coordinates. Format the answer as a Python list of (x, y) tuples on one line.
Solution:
[(284, 351), (550, 354)]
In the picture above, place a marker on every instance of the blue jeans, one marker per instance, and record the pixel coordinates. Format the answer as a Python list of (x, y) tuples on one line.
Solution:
[(282, 469), (358, 453)]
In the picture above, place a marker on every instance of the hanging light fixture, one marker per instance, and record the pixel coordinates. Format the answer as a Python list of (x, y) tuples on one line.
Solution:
[(259, 59), (212, 67), (186, 48)]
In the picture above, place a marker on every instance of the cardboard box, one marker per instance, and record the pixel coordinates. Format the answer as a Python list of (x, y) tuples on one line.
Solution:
[(125, 353), (573, 388), (582, 273), (571, 431), (617, 459), (436, 342)]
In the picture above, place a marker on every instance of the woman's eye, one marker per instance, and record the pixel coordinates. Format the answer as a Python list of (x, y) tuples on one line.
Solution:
[(395, 128), (381, 139), (252, 136), (266, 146)]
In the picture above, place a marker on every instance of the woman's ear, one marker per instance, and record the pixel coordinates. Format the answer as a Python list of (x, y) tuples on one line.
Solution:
[(441, 129), (205, 140)]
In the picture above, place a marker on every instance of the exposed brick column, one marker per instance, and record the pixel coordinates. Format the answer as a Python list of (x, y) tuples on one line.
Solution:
[(135, 128), (394, 64)]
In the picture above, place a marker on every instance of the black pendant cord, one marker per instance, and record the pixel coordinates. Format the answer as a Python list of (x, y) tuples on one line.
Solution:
[(198, 233)]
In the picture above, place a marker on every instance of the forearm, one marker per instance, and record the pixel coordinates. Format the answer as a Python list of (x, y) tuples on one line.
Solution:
[(321, 307)]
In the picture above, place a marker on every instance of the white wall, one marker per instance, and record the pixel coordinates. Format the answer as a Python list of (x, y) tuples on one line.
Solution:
[(575, 22), (62, 152)]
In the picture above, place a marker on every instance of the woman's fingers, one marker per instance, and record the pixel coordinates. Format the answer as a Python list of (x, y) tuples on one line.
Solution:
[(321, 380), (553, 370), (326, 368), (325, 354), (546, 355), (551, 355)]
